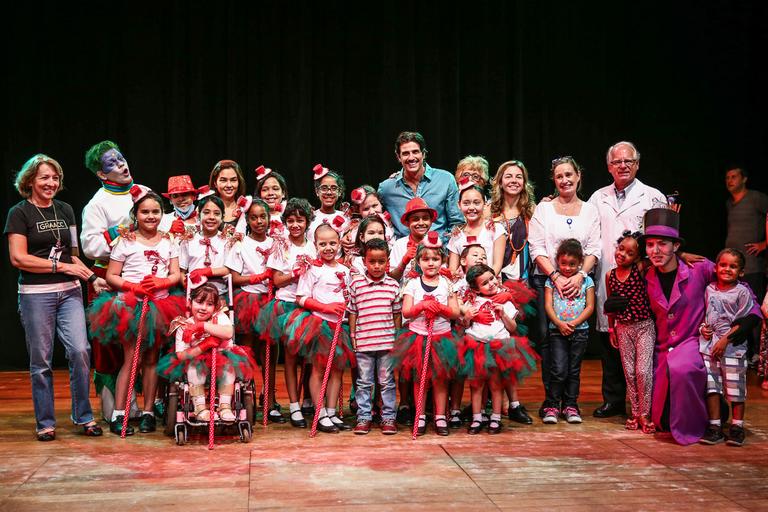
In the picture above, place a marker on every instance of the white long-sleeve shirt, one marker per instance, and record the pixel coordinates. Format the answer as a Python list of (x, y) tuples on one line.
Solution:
[(103, 211)]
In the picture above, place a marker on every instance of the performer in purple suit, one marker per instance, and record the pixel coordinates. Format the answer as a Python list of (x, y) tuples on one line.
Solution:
[(676, 292)]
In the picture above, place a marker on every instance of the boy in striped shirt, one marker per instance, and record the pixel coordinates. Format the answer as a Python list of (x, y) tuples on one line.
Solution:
[(374, 315)]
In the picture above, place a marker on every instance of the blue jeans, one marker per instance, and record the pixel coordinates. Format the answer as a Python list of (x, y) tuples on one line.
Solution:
[(566, 354), (45, 316), (380, 364)]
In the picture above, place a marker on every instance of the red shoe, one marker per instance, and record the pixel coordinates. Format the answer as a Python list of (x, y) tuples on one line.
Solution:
[(388, 427), (362, 427)]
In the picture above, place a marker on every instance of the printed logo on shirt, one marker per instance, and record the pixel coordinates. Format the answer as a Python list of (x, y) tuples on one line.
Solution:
[(51, 225)]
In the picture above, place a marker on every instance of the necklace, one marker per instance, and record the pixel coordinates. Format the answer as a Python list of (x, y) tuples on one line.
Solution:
[(56, 235), (508, 228)]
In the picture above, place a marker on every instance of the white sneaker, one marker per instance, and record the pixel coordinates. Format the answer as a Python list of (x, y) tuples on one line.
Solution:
[(572, 415), (226, 414), (550, 415)]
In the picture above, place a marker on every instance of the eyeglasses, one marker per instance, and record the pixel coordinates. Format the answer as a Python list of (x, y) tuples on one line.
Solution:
[(328, 188), (628, 162), (474, 176)]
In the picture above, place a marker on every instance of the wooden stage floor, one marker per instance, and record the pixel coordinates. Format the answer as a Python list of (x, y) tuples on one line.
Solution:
[(594, 466)]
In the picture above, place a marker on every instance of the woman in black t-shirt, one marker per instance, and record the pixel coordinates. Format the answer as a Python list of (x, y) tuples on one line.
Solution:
[(42, 242)]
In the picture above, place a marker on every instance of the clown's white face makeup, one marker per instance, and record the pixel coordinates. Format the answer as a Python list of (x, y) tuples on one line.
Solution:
[(114, 168)]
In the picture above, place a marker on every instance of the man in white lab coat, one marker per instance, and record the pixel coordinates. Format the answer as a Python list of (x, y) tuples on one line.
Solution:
[(621, 206)]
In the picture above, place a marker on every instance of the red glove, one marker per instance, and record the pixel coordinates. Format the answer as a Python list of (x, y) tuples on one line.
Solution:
[(257, 278), (197, 275), (434, 308), (153, 283), (193, 330), (484, 317), (177, 227), (446, 272), (137, 288), (501, 298), (410, 253), (334, 308), (209, 343)]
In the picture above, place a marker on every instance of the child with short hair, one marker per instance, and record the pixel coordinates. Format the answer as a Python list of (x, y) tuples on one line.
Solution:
[(722, 345), (418, 217), (374, 315), (568, 334)]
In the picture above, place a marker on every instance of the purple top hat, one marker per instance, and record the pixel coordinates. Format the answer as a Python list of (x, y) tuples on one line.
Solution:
[(662, 223)]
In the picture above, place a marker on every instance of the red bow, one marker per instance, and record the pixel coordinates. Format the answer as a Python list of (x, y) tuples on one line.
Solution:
[(206, 242), (264, 252), (342, 285), (278, 208), (154, 258)]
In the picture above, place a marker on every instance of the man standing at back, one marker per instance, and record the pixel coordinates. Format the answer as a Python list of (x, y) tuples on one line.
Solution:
[(417, 179), (747, 211), (621, 206)]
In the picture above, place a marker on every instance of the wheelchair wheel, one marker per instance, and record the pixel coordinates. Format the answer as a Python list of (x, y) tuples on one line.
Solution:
[(245, 431), (170, 411), (180, 432), (249, 405)]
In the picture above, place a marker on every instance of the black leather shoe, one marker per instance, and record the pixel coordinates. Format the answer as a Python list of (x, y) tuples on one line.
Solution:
[(494, 427), (520, 415), (147, 423), (474, 428), (116, 427), (441, 431), (308, 411), (274, 416), (339, 423), (404, 415), (420, 431), (92, 430), (608, 410), (330, 429), (300, 423)]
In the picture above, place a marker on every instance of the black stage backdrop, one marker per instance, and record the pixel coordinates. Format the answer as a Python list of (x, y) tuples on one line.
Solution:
[(290, 84)]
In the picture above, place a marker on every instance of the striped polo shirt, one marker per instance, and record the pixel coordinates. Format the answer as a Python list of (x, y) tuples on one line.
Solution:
[(374, 303)]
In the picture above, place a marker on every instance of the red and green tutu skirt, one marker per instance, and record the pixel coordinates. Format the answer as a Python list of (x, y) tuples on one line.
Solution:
[(237, 358), (309, 336), (247, 308), (409, 349), (114, 318), (512, 358), (270, 324)]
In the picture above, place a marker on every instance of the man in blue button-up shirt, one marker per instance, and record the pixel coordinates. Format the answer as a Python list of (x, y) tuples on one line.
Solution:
[(417, 179)]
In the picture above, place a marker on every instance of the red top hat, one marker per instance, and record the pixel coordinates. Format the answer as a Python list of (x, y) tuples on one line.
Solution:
[(358, 195), (432, 240), (417, 204), (320, 171), (180, 185), (262, 172), (338, 222)]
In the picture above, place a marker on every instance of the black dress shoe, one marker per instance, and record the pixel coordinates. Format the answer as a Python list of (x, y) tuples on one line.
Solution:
[(441, 431), (46, 436), (339, 423), (608, 410), (404, 416), (147, 423), (420, 431), (300, 423), (274, 416), (520, 415), (474, 428), (494, 427), (116, 427), (455, 421), (330, 429)]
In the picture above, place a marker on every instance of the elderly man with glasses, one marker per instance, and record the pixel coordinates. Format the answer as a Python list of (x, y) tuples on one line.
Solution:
[(621, 206)]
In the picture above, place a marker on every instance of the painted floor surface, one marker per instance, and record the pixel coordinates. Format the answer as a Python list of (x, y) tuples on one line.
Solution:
[(597, 465)]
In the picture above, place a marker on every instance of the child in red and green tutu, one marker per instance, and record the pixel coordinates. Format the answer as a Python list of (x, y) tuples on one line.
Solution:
[(285, 261), (429, 297), (489, 353), (322, 294), (143, 264), (207, 328)]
